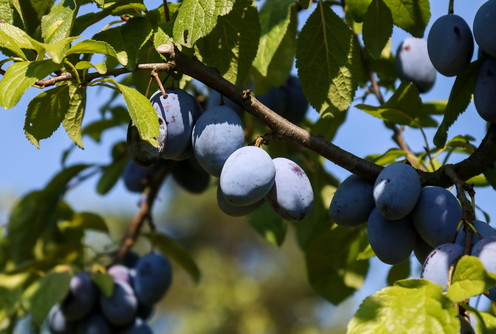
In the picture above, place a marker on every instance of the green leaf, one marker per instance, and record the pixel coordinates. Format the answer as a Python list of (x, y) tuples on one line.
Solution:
[(197, 18), (411, 306), (15, 40), (410, 15), (459, 99), (327, 127), (52, 288), (377, 27), (31, 12), (275, 17), (327, 57), (104, 282), (305, 4), (404, 108), (170, 248), (358, 8), (486, 322), (435, 107), (136, 32), (20, 76), (57, 25), (45, 113), (93, 46), (469, 279), (331, 259), (74, 116), (232, 45), (89, 221), (140, 109), (490, 175), (9, 298), (269, 224), (6, 11), (57, 49), (113, 171), (84, 65), (398, 272), (388, 157)]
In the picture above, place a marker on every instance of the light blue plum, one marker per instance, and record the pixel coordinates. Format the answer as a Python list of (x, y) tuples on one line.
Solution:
[(217, 133), (236, 210), (81, 298), (436, 215), (485, 86), (485, 250), (291, 195), (485, 27), (352, 202), (247, 176), (180, 111), (450, 45), (396, 190), (120, 308), (152, 279), (57, 323), (96, 323), (391, 240), (436, 267), (413, 64), (482, 228)]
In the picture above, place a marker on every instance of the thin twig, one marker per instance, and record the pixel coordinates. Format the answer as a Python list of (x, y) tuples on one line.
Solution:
[(166, 11)]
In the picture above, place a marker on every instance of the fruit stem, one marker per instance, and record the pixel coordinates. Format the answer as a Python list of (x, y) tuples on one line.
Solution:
[(451, 7)]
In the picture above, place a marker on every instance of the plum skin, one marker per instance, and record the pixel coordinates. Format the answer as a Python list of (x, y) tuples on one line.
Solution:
[(485, 27), (436, 266), (485, 85), (152, 279)]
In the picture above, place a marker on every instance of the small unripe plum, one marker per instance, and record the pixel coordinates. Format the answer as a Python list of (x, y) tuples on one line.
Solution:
[(81, 298), (413, 63), (436, 267), (152, 278), (485, 27), (236, 210), (352, 202), (450, 44), (396, 190), (247, 176), (485, 86)]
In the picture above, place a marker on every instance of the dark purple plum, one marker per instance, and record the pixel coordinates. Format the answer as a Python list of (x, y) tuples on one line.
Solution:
[(216, 135), (485, 250), (236, 210), (275, 99), (482, 228), (450, 45), (421, 249), (180, 111), (96, 323), (396, 190), (291, 195), (413, 63), (137, 178), (120, 308), (391, 240), (436, 267), (81, 298), (152, 279), (191, 176), (214, 100), (436, 215), (485, 86), (247, 176), (57, 323), (352, 202), (485, 27)]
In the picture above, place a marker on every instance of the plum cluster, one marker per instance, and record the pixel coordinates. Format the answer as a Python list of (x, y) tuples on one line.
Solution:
[(137, 287), (401, 215), (210, 143)]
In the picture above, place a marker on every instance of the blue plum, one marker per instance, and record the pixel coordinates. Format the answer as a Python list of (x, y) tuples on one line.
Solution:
[(180, 111), (485, 86), (120, 308), (291, 195), (352, 202), (247, 176), (482, 228), (191, 176), (413, 63), (421, 249), (217, 133), (120, 272), (139, 327), (396, 190), (152, 279), (485, 27), (214, 100), (236, 210), (436, 267), (391, 240), (485, 250), (436, 215), (450, 45), (96, 323), (81, 298), (57, 323), (137, 178)]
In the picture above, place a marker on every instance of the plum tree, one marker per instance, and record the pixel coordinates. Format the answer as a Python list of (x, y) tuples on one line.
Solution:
[(436, 267), (396, 191), (450, 44), (484, 27)]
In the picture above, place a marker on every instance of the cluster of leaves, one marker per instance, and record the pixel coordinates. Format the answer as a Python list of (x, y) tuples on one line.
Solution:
[(249, 47)]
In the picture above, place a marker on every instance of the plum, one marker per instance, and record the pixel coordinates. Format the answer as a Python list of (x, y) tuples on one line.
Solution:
[(58, 323), (247, 176), (152, 279), (413, 63), (291, 195), (450, 45), (81, 298), (485, 86), (120, 308), (396, 190), (436, 267), (217, 133), (214, 100), (236, 210), (485, 27), (352, 202), (485, 250), (137, 178), (482, 228), (96, 323), (191, 176)]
